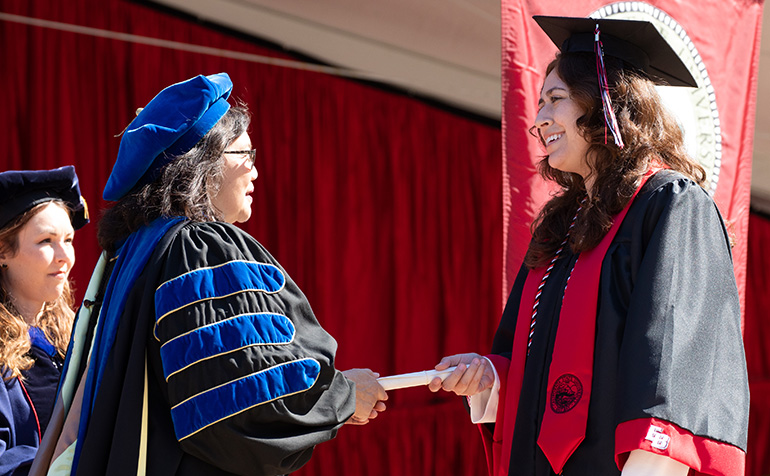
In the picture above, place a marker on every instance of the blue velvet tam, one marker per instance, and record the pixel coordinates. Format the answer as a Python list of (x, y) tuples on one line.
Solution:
[(169, 126), (22, 190)]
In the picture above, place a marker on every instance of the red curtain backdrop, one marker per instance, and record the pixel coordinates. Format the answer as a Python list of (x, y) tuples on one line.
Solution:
[(385, 210), (756, 338)]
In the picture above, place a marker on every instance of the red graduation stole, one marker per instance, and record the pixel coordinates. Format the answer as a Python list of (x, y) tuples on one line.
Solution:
[(571, 371)]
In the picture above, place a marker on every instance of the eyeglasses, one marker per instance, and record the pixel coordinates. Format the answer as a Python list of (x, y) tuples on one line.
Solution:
[(252, 153)]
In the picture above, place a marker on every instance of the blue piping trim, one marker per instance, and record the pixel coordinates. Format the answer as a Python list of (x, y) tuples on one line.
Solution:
[(211, 406), (225, 336), (215, 282)]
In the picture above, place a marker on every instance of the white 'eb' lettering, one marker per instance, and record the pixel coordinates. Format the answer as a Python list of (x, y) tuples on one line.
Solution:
[(657, 438)]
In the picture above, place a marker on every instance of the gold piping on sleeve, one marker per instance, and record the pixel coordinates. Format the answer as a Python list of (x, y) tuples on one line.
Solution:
[(157, 323), (253, 406), (293, 335)]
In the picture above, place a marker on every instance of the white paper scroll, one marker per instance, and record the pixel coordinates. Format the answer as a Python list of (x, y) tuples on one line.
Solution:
[(414, 379)]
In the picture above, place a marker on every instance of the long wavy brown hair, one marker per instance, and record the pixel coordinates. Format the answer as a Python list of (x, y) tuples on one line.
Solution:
[(55, 321), (650, 135)]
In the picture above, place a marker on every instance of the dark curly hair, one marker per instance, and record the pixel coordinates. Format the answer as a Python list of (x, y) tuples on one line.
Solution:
[(649, 132), (182, 188)]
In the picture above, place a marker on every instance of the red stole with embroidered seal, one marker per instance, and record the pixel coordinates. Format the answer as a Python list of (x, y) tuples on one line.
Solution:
[(570, 374)]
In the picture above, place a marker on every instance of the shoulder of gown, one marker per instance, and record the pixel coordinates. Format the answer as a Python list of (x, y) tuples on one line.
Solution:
[(249, 370)]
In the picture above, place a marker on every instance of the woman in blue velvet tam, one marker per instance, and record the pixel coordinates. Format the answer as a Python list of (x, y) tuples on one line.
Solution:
[(39, 213), (197, 354)]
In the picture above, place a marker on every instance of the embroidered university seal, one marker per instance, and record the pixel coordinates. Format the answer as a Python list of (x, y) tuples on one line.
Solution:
[(566, 393)]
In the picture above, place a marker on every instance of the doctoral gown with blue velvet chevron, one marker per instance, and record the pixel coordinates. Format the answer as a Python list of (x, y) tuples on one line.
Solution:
[(241, 374)]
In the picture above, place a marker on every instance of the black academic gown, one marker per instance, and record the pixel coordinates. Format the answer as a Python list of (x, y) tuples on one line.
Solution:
[(668, 337), (249, 386)]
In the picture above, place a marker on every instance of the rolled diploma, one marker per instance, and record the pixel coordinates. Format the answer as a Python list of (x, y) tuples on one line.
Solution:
[(414, 379)]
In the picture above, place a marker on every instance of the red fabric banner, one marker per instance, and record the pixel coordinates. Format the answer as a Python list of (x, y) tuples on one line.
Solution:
[(718, 117)]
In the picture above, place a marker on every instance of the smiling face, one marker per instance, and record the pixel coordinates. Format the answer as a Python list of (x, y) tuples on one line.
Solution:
[(38, 271), (556, 123), (233, 199)]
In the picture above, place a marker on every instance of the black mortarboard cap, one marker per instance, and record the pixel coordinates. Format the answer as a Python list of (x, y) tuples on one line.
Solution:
[(636, 42), (21, 190)]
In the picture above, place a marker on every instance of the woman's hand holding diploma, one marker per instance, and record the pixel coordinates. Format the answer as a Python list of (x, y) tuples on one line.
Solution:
[(472, 374)]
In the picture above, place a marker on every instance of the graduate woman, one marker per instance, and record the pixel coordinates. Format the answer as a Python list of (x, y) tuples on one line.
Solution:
[(619, 350), (39, 213), (206, 356)]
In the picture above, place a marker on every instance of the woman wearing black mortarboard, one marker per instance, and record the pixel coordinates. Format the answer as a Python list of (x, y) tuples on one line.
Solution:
[(39, 213), (620, 347), (196, 354)]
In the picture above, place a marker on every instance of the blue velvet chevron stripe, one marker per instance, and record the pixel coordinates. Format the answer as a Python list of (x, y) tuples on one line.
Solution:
[(227, 400), (216, 282), (225, 336)]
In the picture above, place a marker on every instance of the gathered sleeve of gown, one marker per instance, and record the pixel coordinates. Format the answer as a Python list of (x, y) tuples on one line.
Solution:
[(18, 430), (249, 371), (682, 387)]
